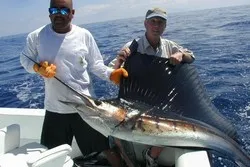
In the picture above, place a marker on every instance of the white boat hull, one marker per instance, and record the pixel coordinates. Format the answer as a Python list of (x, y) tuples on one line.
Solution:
[(31, 121)]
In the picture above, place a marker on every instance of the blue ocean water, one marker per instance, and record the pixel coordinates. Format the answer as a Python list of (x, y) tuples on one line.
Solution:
[(219, 38)]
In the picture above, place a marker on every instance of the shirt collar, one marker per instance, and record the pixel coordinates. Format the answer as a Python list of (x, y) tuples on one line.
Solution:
[(146, 43)]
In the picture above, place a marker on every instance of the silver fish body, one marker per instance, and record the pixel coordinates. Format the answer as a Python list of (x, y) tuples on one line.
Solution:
[(134, 122)]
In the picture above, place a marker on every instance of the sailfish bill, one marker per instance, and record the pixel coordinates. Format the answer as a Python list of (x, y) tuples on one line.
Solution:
[(162, 105)]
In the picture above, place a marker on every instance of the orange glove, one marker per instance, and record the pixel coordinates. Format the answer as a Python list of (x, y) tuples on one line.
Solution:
[(116, 75), (45, 70)]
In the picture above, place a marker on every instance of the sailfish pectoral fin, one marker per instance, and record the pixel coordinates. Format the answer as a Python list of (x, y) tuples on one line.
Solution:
[(120, 123)]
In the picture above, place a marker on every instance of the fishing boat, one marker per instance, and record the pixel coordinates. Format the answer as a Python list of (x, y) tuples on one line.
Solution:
[(21, 130)]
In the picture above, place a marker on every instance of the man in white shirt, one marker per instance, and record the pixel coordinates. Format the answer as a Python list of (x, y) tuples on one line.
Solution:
[(69, 52)]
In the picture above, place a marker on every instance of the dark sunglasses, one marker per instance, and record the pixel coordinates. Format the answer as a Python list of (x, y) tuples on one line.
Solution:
[(62, 11)]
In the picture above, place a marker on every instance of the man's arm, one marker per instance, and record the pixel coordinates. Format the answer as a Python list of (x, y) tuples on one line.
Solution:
[(121, 57), (30, 50), (187, 55), (180, 54)]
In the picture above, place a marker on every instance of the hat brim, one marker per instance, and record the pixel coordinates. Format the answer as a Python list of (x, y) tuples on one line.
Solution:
[(156, 15)]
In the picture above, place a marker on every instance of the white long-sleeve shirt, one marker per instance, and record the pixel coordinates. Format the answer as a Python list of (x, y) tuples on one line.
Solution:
[(75, 54)]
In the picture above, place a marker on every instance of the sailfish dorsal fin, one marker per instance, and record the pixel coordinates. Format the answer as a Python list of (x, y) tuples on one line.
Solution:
[(153, 80)]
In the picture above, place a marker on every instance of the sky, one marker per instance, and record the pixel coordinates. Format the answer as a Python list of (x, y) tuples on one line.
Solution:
[(23, 16)]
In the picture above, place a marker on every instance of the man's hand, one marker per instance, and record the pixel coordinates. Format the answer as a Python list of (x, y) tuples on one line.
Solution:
[(176, 58), (116, 75), (121, 57), (45, 69)]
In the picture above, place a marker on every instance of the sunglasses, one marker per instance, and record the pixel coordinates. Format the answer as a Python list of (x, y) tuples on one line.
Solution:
[(62, 11)]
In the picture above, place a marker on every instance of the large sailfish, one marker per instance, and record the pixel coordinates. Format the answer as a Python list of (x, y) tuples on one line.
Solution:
[(162, 105)]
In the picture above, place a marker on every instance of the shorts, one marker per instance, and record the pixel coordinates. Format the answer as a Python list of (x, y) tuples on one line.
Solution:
[(60, 128)]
